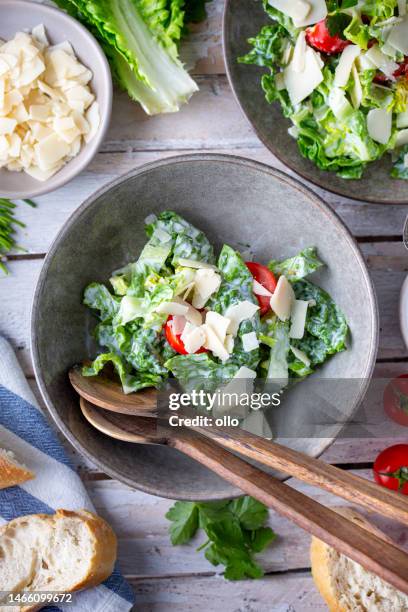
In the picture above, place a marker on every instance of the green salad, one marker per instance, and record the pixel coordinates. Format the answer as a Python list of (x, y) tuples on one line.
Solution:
[(339, 70), (178, 311)]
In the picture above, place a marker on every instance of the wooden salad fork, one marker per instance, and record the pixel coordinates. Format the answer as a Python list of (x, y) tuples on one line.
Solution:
[(108, 395), (372, 552)]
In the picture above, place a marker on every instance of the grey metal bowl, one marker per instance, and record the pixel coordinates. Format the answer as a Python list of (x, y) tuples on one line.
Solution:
[(18, 15), (242, 20), (232, 199)]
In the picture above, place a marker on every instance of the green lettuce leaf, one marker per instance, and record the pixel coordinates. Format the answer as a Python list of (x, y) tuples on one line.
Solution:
[(295, 268), (324, 320), (130, 382), (400, 170), (139, 37)]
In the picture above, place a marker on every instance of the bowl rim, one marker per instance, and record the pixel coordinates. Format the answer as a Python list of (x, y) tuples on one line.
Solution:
[(403, 310), (93, 146), (273, 173), (259, 133)]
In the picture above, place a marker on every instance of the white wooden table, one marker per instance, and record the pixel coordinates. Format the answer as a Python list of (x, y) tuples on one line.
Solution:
[(164, 577)]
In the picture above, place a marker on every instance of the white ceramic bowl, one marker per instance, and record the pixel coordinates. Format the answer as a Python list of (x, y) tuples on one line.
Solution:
[(403, 311), (18, 15)]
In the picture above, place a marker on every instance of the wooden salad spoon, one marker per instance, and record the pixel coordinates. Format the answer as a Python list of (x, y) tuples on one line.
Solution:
[(108, 395), (375, 554)]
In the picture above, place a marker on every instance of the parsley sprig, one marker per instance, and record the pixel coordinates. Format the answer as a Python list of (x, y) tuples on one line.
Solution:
[(235, 532), (8, 224)]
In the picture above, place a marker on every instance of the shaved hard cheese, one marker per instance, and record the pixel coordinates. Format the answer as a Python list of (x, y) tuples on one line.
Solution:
[(346, 61), (402, 138), (356, 92), (206, 282), (339, 104), (214, 344), (192, 315), (250, 342), (299, 53), (229, 343), (398, 36), (379, 124), (282, 299), (192, 263), (218, 323), (300, 355), (245, 373), (381, 61), (300, 84), (238, 313), (303, 13), (298, 316), (178, 324), (194, 340), (172, 308), (46, 106), (259, 289), (402, 7), (402, 120)]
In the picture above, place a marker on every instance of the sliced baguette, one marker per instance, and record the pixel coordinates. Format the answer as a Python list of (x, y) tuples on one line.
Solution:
[(11, 471), (64, 552), (345, 585)]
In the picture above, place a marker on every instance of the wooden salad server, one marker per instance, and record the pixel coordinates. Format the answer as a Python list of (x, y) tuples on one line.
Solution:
[(375, 554), (108, 394)]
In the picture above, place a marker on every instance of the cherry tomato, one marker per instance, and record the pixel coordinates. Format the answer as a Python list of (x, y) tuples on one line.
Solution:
[(396, 400), (391, 468), (266, 278), (318, 36), (175, 340), (402, 70)]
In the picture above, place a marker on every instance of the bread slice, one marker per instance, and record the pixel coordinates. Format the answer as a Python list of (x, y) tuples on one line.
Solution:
[(11, 472), (63, 552), (345, 585)]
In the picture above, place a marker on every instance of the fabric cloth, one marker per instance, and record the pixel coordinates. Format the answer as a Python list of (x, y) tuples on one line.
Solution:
[(25, 431)]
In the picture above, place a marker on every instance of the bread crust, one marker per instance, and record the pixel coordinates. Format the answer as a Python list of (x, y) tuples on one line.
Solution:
[(104, 547), (320, 559), (11, 473)]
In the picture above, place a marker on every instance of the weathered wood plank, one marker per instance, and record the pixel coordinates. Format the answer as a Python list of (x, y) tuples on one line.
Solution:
[(287, 593), (44, 222), (388, 271), (145, 549)]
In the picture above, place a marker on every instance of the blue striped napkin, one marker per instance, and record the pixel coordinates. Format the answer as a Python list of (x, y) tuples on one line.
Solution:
[(24, 430)]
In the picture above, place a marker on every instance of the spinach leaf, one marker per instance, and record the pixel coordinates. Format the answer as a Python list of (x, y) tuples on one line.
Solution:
[(324, 320), (295, 268), (130, 382)]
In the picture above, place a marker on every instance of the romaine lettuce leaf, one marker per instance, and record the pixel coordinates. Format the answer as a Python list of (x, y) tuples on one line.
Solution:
[(98, 297), (295, 268), (130, 382), (187, 242), (139, 38), (400, 170), (325, 319)]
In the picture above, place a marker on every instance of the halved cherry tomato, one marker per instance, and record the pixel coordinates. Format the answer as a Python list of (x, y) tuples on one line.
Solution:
[(318, 36), (175, 340), (391, 468), (396, 400), (402, 70), (266, 278)]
